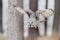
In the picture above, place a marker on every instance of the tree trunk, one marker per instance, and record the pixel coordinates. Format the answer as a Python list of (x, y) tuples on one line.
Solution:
[(5, 12), (14, 22)]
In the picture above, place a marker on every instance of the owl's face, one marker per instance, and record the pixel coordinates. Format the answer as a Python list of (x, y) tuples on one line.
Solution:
[(32, 19), (32, 22)]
